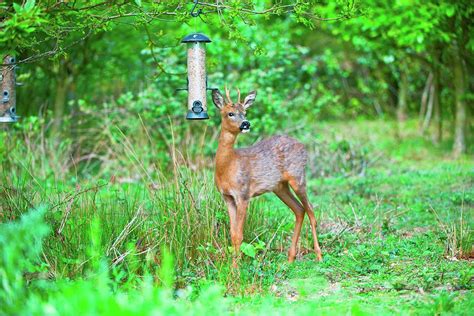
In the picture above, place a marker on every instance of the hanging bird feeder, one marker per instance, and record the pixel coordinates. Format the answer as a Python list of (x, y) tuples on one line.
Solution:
[(8, 97), (197, 78)]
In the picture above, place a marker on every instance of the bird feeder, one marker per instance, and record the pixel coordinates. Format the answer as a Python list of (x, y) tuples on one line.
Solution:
[(197, 79), (8, 97)]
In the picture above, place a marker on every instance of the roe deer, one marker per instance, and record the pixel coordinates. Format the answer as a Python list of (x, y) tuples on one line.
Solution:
[(272, 165)]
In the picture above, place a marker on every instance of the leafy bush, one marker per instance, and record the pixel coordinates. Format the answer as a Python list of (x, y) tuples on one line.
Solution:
[(20, 249)]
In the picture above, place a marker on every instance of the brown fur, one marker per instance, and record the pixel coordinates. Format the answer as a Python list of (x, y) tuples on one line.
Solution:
[(272, 165)]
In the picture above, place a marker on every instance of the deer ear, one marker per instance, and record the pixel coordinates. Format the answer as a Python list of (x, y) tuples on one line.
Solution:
[(249, 99), (217, 98)]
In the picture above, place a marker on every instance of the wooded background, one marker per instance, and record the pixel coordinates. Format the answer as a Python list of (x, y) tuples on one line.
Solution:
[(318, 59)]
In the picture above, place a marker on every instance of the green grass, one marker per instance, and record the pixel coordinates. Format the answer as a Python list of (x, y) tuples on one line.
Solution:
[(386, 250), (396, 222)]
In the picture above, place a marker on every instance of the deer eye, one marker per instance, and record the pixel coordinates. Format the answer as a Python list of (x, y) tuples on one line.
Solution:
[(231, 114)]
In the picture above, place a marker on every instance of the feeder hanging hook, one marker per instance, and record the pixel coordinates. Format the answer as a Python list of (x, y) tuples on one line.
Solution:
[(199, 11)]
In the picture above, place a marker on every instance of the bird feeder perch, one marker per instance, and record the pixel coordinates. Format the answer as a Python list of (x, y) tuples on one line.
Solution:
[(197, 79), (8, 97)]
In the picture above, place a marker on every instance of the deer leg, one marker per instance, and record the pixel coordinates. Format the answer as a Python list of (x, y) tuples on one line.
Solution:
[(301, 193), (312, 220), (240, 221), (232, 210), (287, 197)]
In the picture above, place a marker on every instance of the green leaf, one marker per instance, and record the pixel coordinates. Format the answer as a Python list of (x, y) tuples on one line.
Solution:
[(30, 4), (138, 2), (17, 7), (260, 244), (450, 11), (248, 249)]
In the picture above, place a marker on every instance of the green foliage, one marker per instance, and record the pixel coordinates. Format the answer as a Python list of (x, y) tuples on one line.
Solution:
[(403, 27), (251, 250), (20, 249), (17, 28)]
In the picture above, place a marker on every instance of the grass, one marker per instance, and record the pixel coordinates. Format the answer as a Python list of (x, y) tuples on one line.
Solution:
[(395, 224)]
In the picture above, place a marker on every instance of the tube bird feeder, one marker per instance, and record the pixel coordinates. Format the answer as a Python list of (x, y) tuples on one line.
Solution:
[(197, 79), (8, 97)]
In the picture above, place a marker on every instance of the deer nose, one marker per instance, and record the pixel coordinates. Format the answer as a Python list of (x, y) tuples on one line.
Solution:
[(245, 125)]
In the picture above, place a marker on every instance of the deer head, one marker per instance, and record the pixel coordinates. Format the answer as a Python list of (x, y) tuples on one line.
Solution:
[(233, 114)]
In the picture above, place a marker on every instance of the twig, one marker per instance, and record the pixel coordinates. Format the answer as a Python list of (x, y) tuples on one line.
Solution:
[(125, 231), (77, 194), (65, 216)]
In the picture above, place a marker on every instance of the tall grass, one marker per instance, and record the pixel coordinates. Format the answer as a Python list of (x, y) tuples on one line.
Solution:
[(21, 248), (145, 199), (185, 215), (150, 183), (457, 234)]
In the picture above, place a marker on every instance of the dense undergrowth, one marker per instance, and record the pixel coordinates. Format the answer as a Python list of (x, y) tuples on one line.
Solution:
[(395, 218)]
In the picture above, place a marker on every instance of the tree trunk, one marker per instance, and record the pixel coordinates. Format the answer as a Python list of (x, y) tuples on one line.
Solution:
[(438, 120), (424, 101), (59, 102), (63, 84), (402, 99), (429, 110), (459, 146)]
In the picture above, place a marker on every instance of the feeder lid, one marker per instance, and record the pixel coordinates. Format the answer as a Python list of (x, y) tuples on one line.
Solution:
[(195, 38)]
